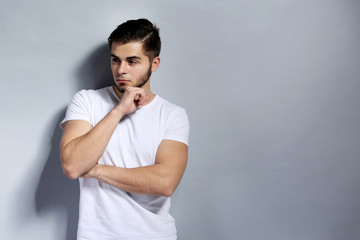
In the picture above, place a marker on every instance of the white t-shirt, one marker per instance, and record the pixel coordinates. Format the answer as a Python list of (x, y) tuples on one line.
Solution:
[(107, 212)]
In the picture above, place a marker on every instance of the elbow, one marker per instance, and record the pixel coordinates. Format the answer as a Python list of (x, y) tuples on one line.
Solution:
[(70, 172), (68, 169), (73, 175), (168, 190), (167, 193)]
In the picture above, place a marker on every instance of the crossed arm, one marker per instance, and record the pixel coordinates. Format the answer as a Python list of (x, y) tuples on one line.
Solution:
[(82, 146)]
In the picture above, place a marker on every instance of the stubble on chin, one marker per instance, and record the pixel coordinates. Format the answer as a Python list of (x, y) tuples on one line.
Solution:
[(144, 80), (120, 88)]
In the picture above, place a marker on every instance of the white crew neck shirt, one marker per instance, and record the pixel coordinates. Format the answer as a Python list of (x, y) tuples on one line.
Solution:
[(107, 212)]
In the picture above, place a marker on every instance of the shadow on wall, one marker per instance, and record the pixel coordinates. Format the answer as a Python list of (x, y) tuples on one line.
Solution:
[(95, 71), (54, 188)]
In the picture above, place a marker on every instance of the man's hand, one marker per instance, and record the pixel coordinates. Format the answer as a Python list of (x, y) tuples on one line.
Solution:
[(132, 99), (82, 144)]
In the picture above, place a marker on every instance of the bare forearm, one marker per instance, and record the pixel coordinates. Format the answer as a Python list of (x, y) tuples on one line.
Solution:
[(162, 178), (82, 145), (152, 180), (82, 153)]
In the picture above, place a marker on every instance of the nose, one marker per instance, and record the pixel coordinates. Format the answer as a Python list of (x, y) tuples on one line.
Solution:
[(122, 69)]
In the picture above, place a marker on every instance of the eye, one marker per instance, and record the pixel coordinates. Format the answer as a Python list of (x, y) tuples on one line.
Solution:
[(132, 62), (115, 60)]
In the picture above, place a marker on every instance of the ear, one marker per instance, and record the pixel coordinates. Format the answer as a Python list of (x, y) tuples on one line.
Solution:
[(155, 64)]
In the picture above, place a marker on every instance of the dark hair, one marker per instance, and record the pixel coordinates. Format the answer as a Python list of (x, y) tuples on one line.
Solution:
[(141, 30)]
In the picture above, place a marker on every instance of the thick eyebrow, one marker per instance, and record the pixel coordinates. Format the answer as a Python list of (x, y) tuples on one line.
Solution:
[(133, 58), (128, 58)]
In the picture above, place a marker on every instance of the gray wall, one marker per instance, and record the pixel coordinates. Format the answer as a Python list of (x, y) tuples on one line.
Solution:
[(272, 89)]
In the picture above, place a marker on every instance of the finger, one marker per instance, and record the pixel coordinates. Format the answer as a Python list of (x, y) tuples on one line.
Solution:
[(138, 92), (144, 100), (140, 95)]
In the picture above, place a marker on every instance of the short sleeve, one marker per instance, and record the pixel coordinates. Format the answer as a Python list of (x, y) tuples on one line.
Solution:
[(78, 109), (177, 126)]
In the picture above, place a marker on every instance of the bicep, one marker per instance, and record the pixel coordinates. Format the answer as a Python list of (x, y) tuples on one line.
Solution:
[(172, 155), (74, 129)]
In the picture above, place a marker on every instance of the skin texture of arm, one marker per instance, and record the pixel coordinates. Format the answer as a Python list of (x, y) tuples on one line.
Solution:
[(162, 178), (82, 145)]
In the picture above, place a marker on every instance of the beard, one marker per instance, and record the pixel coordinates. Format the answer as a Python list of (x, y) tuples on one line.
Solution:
[(141, 82)]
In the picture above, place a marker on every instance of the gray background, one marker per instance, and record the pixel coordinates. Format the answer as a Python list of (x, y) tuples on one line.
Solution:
[(272, 90)]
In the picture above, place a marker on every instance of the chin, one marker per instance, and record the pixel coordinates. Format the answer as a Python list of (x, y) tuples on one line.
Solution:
[(121, 88)]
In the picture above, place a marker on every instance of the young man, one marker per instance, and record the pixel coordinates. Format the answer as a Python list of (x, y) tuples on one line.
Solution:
[(127, 146)]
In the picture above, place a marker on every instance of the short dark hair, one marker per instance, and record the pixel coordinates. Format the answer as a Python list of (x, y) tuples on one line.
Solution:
[(141, 30)]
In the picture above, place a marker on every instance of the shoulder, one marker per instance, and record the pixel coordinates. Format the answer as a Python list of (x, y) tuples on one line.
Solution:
[(172, 112), (90, 95), (88, 99), (176, 121), (169, 107)]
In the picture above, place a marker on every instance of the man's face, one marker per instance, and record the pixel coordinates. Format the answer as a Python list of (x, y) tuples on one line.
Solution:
[(129, 66)]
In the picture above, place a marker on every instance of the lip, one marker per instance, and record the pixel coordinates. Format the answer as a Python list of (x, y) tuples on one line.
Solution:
[(120, 80)]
